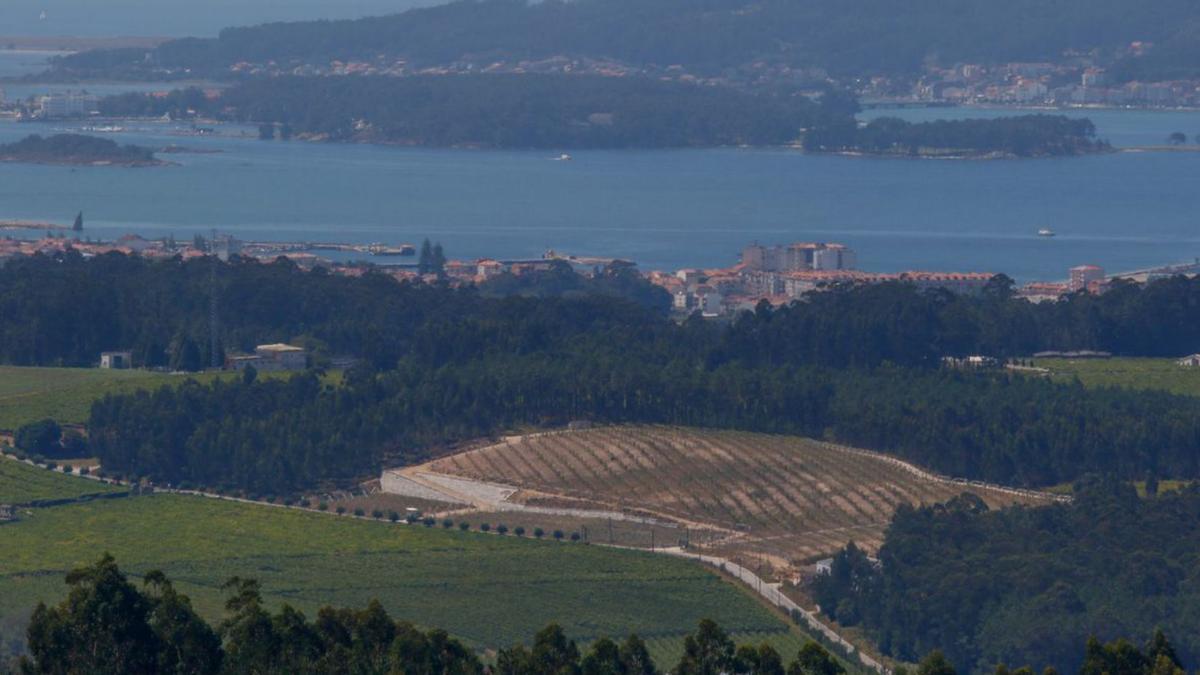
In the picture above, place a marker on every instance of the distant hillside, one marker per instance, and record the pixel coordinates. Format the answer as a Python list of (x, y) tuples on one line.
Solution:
[(843, 37)]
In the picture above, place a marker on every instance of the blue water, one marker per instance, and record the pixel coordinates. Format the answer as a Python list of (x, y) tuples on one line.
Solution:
[(174, 18), (665, 209)]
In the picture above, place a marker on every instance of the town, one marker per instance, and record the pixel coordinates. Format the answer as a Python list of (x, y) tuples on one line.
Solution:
[(777, 274)]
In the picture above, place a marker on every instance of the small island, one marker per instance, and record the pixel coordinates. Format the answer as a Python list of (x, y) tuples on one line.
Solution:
[(1019, 136), (77, 150)]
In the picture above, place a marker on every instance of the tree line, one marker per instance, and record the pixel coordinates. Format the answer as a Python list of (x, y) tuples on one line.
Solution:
[(278, 437), (107, 624), (1028, 585), (64, 309)]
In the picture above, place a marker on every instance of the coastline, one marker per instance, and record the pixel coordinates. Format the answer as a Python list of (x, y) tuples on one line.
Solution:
[(137, 164)]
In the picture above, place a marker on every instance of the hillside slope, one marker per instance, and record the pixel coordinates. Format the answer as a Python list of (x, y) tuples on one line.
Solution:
[(844, 37), (786, 498)]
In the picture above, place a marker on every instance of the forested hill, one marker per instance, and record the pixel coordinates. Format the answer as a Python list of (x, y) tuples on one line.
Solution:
[(843, 37), (589, 111)]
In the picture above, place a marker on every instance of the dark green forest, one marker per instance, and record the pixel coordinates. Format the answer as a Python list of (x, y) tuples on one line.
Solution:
[(843, 37), (276, 437), (74, 149), (506, 111), (577, 111), (1028, 585), (108, 625), (858, 365), (1020, 136)]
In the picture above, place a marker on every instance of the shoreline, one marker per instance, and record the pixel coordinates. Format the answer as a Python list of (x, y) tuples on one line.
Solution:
[(139, 164)]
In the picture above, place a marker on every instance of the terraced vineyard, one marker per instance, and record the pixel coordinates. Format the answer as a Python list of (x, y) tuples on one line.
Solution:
[(789, 499)]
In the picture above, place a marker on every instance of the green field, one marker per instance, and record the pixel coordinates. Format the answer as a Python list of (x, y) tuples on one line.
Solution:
[(66, 394), (1133, 373), (489, 590), (21, 484)]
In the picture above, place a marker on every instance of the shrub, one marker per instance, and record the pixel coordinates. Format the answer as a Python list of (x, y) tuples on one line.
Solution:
[(66, 468), (359, 512), (520, 531), (574, 536), (393, 516), (539, 532), (305, 503), (376, 514), (502, 528), (52, 465), (411, 518), (83, 471), (485, 527), (558, 534), (322, 506), (464, 526), (429, 521), (341, 509), (42, 437), (447, 523)]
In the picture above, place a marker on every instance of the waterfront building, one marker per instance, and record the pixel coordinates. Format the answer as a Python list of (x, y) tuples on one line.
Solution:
[(1083, 276), (68, 105)]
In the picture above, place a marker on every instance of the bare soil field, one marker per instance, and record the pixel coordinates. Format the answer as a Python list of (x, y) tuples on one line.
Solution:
[(785, 500)]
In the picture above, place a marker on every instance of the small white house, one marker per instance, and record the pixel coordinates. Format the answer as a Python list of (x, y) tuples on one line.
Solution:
[(116, 360), (1192, 361)]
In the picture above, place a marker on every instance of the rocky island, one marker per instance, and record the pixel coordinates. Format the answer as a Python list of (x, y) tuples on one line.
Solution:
[(77, 150)]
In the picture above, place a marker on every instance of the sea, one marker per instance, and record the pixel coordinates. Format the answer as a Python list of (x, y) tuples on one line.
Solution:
[(664, 209)]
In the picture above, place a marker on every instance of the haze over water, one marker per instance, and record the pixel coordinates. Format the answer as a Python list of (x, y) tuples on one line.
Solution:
[(174, 18)]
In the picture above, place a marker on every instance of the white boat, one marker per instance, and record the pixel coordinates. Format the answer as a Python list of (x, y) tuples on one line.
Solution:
[(1045, 232), (563, 158), (42, 16)]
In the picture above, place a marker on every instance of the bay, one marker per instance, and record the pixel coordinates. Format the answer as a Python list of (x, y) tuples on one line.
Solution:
[(663, 209)]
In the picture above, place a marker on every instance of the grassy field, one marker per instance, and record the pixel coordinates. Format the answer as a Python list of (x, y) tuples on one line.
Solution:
[(489, 590), (66, 394), (1133, 373), (789, 499), (21, 484)]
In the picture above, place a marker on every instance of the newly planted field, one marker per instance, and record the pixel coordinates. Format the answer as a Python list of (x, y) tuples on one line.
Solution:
[(1164, 374), (788, 499), (21, 484), (490, 590)]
